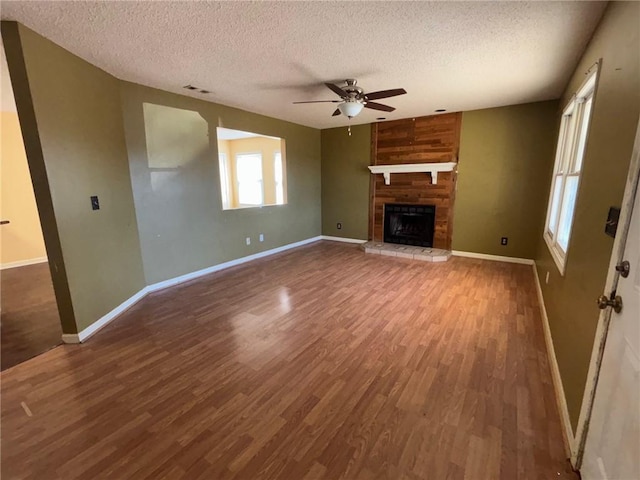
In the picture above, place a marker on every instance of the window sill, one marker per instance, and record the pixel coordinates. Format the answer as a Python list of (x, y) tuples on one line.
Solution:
[(557, 258), (249, 207)]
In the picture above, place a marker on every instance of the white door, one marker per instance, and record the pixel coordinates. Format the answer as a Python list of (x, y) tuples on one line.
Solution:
[(612, 449)]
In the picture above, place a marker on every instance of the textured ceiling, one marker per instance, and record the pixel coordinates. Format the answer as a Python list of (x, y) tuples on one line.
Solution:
[(261, 56)]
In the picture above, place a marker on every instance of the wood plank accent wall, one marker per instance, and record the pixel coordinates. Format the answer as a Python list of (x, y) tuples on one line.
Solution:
[(431, 139)]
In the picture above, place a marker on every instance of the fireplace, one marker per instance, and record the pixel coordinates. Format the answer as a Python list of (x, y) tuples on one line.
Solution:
[(409, 224)]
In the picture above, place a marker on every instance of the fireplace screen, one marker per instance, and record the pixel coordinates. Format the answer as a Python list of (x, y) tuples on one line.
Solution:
[(409, 224)]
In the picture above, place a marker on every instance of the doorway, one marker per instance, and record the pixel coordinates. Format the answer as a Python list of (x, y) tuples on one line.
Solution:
[(609, 425), (29, 319)]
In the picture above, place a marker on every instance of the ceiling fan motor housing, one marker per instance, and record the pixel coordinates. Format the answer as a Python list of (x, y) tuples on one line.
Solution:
[(353, 90)]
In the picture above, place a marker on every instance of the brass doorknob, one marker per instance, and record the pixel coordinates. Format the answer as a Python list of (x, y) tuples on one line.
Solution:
[(616, 303)]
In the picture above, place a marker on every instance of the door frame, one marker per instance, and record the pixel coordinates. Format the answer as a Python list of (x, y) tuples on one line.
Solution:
[(619, 243)]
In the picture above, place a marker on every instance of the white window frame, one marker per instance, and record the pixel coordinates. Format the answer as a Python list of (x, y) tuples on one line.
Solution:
[(279, 186), (225, 193), (568, 164), (261, 181)]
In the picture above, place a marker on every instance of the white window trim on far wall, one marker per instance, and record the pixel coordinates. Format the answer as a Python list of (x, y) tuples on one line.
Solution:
[(225, 193), (572, 141)]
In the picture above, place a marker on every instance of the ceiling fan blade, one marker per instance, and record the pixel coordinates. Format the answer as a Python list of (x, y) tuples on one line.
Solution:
[(385, 94), (379, 106), (321, 101), (336, 89), (336, 113)]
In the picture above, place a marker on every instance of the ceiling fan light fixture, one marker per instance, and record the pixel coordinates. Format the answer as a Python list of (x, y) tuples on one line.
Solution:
[(351, 108)]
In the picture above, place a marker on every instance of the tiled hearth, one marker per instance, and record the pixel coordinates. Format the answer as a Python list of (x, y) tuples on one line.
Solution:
[(407, 251)]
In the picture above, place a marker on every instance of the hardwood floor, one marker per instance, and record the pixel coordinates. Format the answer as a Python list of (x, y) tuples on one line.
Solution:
[(29, 318), (321, 362)]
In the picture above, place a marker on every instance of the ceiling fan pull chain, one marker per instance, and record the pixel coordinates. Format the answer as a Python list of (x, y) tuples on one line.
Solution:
[(349, 126)]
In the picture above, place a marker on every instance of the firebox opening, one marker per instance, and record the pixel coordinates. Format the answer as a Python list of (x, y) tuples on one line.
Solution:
[(409, 224)]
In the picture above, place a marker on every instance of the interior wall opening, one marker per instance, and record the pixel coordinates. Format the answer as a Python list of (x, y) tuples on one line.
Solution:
[(30, 323)]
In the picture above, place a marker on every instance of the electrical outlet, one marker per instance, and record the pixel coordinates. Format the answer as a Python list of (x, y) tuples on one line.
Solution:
[(546, 280), (339, 226), (262, 237), (95, 203), (248, 240), (504, 241)]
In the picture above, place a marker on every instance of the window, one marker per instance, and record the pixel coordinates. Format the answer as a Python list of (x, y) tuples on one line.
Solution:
[(279, 178), (224, 179), (249, 175), (572, 139), (253, 169)]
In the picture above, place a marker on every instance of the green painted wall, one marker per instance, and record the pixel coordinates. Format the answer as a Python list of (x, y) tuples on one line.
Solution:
[(506, 156), (75, 144), (159, 218), (570, 300), (178, 204), (345, 181)]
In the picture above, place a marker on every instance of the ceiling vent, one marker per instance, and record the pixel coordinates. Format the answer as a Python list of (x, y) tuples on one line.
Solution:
[(200, 90)]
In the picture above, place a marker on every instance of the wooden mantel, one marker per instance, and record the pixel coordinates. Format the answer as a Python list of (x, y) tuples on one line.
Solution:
[(432, 168)]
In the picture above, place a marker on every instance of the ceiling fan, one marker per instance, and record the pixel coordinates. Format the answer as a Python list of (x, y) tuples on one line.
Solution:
[(353, 98)]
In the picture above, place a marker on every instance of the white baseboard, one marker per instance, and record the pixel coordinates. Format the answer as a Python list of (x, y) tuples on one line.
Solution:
[(232, 263), (23, 263), (561, 399), (495, 258), (342, 239), (106, 319)]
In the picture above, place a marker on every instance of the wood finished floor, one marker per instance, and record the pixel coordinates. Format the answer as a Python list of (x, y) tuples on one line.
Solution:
[(29, 318), (321, 362)]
